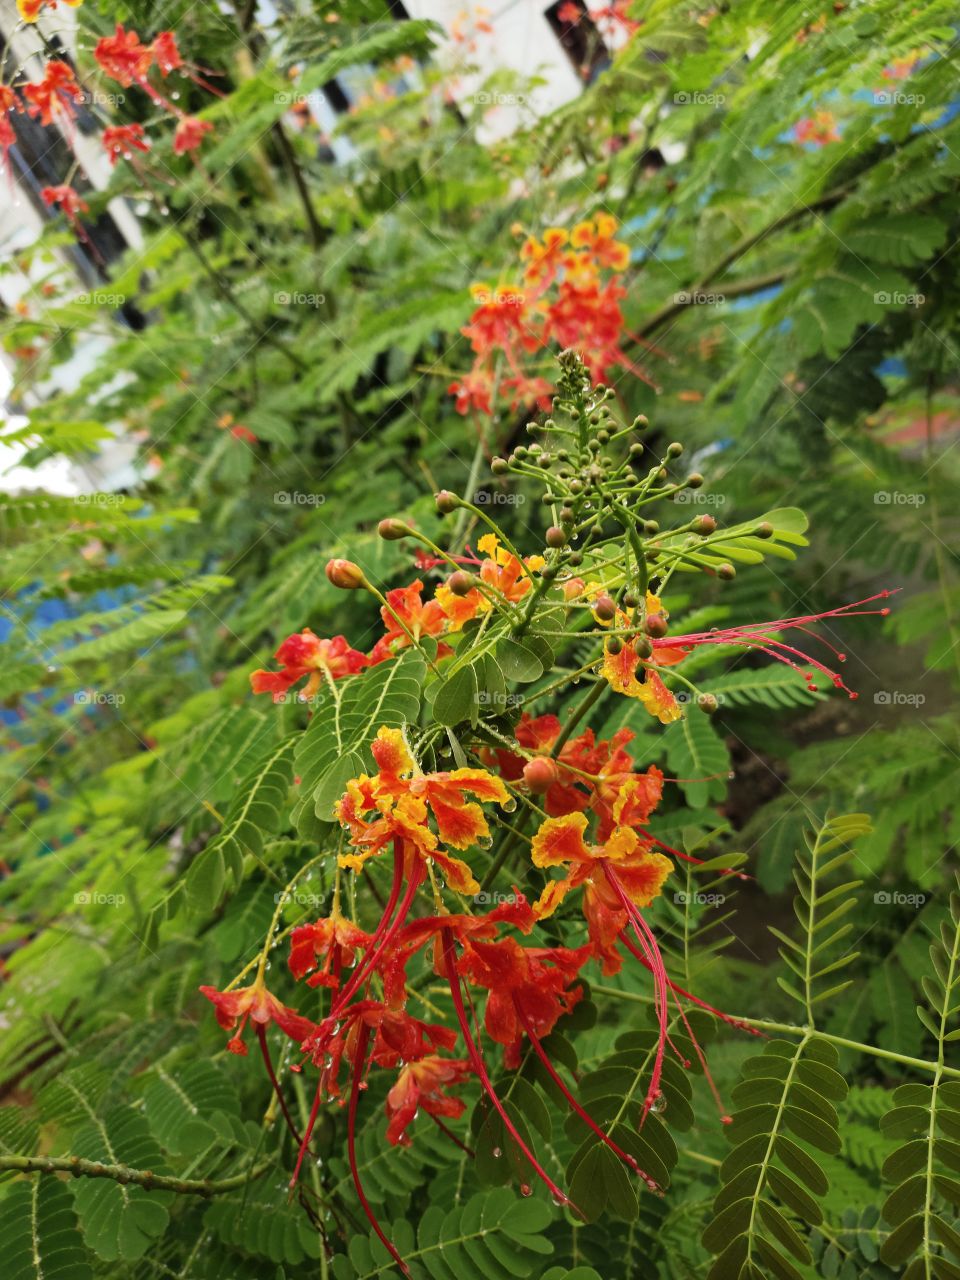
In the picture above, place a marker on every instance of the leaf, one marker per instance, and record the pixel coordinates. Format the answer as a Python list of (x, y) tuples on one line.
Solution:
[(38, 1228)]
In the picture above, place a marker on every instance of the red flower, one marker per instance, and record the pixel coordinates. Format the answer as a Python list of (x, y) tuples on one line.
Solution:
[(473, 391), (67, 198), (335, 940), (818, 129), (120, 141), (165, 53), (30, 10), (255, 1002), (423, 1085), (56, 94), (123, 57), (189, 134), (305, 654), (8, 136), (407, 618)]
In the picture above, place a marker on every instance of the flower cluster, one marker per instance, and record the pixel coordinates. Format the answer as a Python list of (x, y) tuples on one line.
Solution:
[(570, 294), (818, 130)]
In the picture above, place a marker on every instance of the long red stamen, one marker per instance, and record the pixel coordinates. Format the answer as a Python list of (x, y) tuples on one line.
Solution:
[(268, 1063), (587, 1119), (688, 995), (648, 944), (358, 1066), (307, 1135), (372, 957), (363, 966), (708, 1075), (483, 1076)]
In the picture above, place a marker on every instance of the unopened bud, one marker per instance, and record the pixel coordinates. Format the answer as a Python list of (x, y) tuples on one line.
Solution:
[(345, 574), (704, 525), (499, 466), (727, 572), (604, 608), (764, 530), (540, 774), (675, 449), (694, 481), (460, 583), (656, 626), (555, 537), (572, 588), (707, 702), (447, 502), (392, 530), (614, 646), (643, 648)]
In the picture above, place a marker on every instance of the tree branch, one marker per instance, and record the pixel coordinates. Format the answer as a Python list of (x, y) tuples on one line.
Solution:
[(81, 1168)]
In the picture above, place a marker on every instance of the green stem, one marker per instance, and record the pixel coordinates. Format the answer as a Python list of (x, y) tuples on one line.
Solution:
[(81, 1168)]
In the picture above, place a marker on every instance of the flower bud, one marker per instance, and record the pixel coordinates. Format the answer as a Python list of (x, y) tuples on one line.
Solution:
[(764, 530), (540, 773), (704, 525), (727, 572), (345, 574), (674, 449), (651, 526), (392, 530), (572, 588), (460, 583), (707, 702), (614, 646), (555, 537), (575, 558), (694, 481), (447, 502), (604, 608), (643, 648), (499, 466), (656, 626)]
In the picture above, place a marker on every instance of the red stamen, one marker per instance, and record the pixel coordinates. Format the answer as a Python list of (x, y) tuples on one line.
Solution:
[(587, 1119), (265, 1050), (358, 1066), (483, 1076)]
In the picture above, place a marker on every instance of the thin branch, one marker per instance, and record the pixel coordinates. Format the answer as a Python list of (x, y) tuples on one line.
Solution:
[(81, 1168)]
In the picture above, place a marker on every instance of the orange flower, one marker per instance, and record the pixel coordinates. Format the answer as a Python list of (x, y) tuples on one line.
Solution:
[(818, 129), (620, 671), (423, 1085), (30, 10), (407, 618), (597, 236), (305, 654), (255, 1002), (461, 609), (503, 571), (560, 841), (405, 798), (544, 260), (189, 134), (56, 94), (335, 939)]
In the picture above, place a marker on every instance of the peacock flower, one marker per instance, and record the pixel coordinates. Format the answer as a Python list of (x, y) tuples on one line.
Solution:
[(461, 609), (423, 1086), (189, 134), (473, 390), (30, 10), (56, 95), (305, 654), (621, 663), (67, 198), (560, 842), (120, 141), (818, 129), (124, 58), (503, 571), (255, 1004), (544, 260), (334, 940), (597, 237), (407, 619)]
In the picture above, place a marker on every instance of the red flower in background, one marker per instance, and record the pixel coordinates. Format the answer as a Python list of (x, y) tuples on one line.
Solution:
[(407, 619), (257, 1004), (335, 940), (55, 95), (189, 134), (120, 141), (305, 654), (818, 129), (68, 199), (123, 57), (423, 1085)]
